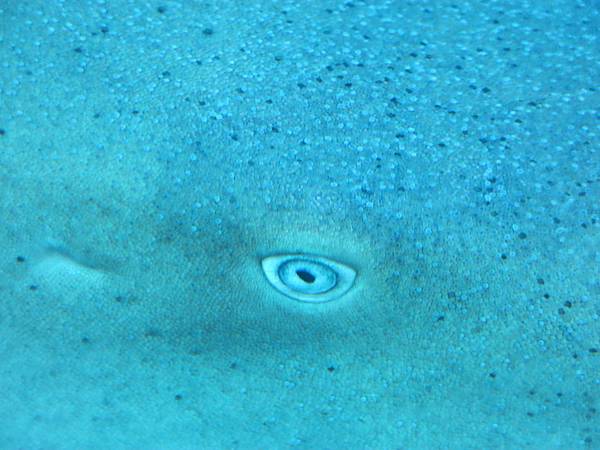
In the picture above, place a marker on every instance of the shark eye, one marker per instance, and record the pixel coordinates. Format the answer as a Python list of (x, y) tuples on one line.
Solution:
[(308, 278)]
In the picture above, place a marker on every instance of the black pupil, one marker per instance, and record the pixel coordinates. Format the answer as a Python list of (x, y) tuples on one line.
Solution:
[(305, 275)]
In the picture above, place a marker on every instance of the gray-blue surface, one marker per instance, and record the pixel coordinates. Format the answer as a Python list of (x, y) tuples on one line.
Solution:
[(318, 225)]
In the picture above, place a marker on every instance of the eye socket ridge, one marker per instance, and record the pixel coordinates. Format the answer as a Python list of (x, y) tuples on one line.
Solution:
[(308, 278)]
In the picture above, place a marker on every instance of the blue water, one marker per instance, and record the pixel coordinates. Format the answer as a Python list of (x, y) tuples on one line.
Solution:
[(314, 225)]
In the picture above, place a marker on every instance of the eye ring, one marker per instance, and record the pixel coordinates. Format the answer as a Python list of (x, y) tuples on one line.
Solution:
[(308, 278)]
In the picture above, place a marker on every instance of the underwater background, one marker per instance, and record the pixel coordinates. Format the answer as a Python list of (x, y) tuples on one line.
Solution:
[(299, 224)]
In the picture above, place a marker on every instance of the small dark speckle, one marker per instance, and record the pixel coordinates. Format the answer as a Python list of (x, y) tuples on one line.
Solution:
[(78, 50), (492, 374), (593, 350), (85, 340), (33, 287), (540, 281), (503, 256), (20, 259), (522, 235), (152, 332), (451, 294), (161, 9), (440, 318), (104, 29), (233, 365), (178, 397), (486, 90), (529, 413), (2, 132), (331, 368), (546, 296), (568, 304), (208, 32), (561, 311)]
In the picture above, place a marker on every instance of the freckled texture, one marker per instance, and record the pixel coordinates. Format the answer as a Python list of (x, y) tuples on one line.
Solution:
[(151, 154)]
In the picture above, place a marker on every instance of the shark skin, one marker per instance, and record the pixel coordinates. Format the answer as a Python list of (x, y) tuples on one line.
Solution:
[(144, 180)]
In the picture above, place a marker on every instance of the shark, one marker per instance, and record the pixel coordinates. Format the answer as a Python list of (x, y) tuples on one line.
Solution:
[(285, 225)]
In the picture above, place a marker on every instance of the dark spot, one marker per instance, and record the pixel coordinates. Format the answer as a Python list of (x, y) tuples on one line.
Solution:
[(451, 294), (233, 365), (2, 132), (561, 311), (178, 397), (208, 32), (486, 90), (503, 256), (85, 340), (529, 413), (568, 304), (546, 296), (20, 259), (540, 281), (161, 9), (331, 368), (522, 235), (104, 29), (492, 374), (78, 50), (593, 350), (33, 287), (305, 276), (440, 319), (152, 332)]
